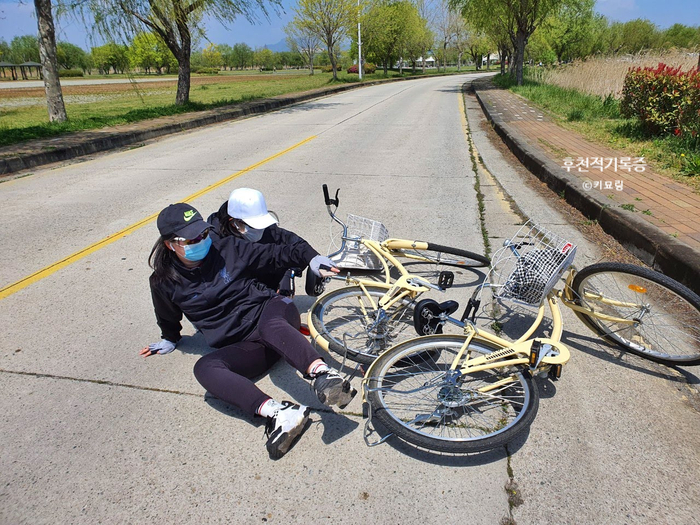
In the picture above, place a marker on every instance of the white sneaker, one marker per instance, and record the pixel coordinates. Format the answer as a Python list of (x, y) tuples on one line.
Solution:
[(284, 427)]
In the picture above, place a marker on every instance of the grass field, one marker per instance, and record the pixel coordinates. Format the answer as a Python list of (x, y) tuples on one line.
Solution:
[(598, 118), (23, 114)]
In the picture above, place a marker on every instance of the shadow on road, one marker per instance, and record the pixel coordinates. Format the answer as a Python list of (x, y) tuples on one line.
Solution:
[(610, 353)]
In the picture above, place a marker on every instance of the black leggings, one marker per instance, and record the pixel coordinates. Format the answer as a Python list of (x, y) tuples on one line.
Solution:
[(226, 373)]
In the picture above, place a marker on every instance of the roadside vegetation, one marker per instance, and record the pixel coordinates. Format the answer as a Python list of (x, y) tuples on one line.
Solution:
[(598, 112), (23, 112)]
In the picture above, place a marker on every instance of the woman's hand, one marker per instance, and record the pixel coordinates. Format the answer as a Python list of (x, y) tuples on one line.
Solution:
[(161, 347), (322, 266)]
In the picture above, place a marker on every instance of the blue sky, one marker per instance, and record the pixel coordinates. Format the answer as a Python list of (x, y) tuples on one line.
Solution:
[(18, 19)]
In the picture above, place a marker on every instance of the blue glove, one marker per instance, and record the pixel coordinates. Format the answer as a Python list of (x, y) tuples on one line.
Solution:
[(320, 262), (161, 347)]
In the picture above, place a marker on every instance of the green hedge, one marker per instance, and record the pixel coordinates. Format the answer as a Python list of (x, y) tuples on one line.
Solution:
[(207, 71), (70, 73), (664, 99)]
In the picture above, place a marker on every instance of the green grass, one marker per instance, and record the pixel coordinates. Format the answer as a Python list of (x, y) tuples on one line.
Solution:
[(599, 120), (92, 111)]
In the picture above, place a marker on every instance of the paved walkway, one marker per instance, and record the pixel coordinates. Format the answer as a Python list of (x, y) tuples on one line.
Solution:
[(654, 217), (672, 207)]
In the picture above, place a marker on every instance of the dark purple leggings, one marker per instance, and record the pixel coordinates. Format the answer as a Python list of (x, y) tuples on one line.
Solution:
[(226, 373)]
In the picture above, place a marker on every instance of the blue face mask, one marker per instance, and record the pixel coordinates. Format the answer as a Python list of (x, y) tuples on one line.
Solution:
[(197, 252)]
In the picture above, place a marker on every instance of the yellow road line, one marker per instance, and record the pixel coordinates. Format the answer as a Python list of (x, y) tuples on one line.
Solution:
[(45, 272)]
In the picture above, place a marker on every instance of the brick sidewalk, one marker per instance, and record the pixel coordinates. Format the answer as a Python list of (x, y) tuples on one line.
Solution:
[(670, 206)]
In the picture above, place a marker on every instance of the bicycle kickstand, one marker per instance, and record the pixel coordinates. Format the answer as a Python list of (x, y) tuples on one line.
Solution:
[(369, 427)]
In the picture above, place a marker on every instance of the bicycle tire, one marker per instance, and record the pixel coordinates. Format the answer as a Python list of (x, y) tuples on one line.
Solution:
[(410, 394), (339, 312), (667, 313), (439, 254)]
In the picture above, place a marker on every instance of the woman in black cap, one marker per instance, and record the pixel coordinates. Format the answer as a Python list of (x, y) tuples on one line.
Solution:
[(211, 281)]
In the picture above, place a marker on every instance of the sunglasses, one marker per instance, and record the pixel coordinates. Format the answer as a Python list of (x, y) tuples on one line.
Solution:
[(186, 242)]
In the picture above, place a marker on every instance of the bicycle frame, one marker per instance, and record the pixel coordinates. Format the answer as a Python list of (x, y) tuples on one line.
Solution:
[(519, 352)]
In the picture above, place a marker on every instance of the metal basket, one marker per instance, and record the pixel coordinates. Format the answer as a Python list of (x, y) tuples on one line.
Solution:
[(355, 256), (530, 264)]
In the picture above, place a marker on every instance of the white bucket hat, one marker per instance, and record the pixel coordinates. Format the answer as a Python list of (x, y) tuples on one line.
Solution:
[(249, 206)]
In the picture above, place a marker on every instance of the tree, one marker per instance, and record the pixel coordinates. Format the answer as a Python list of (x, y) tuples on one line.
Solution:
[(24, 49), (460, 41), (176, 22), (392, 32), (4, 51), (679, 36), (242, 56), (70, 56), (477, 45), (147, 51), (519, 18), (301, 39), (49, 64), (226, 55), (569, 27), (212, 56), (329, 20), (445, 23), (638, 35), (264, 58), (110, 56)]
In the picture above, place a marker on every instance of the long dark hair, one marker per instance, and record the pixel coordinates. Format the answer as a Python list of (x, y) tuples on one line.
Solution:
[(162, 260), (226, 226)]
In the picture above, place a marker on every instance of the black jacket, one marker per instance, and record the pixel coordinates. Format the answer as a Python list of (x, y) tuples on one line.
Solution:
[(276, 279), (221, 297)]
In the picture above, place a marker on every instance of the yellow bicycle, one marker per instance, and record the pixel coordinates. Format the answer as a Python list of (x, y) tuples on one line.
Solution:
[(370, 315), (475, 392)]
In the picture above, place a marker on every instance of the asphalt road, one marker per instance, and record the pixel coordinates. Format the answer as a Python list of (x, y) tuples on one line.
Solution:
[(93, 433)]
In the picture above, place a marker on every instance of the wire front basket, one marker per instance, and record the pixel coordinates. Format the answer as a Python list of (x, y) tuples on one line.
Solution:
[(530, 264), (355, 255)]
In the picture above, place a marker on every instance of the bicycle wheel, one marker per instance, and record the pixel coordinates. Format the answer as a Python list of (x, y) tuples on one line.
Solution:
[(347, 315), (666, 314), (444, 255), (416, 396)]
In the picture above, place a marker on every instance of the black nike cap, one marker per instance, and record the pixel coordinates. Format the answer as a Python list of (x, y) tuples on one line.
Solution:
[(181, 220)]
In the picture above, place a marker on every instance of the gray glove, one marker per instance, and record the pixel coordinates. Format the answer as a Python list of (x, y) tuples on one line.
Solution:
[(320, 262), (161, 347)]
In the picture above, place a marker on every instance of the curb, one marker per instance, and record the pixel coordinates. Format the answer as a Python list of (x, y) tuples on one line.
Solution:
[(644, 240), (94, 141)]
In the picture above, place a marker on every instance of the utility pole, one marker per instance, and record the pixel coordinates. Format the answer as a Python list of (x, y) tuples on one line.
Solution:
[(359, 42)]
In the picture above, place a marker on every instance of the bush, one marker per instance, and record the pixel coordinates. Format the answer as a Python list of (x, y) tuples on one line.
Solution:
[(207, 71), (327, 69), (64, 73), (664, 99), (367, 69)]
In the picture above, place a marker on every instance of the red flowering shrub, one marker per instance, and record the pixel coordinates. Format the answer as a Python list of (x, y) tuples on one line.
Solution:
[(665, 99), (367, 69)]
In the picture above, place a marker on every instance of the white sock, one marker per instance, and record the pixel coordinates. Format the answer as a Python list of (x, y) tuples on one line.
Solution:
[(319, 369), (269, 408)]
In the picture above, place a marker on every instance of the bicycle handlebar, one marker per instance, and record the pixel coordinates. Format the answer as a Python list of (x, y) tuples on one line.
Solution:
[(329, 201)]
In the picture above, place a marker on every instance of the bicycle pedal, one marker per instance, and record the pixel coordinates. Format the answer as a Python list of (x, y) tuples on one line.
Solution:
[(446, 280), (554, 372)]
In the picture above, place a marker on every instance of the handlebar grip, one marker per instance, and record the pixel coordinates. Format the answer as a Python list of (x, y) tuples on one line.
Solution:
[(329, 201)]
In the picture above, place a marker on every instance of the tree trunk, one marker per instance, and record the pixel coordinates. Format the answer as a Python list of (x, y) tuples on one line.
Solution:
[(519, 58), (49, 64)]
